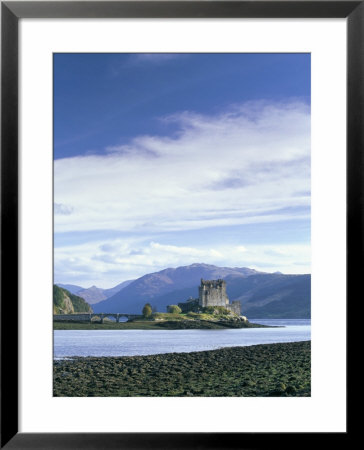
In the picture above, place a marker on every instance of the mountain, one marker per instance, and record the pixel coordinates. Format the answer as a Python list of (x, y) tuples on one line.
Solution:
[(112, 291), (66, 303), (94, 294), (262, 295), (70, 287), (272, 295), (132, 298)]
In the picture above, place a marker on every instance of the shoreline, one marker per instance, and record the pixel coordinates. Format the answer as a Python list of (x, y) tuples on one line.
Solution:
[(279, 369), (75, 358), (158, 325)]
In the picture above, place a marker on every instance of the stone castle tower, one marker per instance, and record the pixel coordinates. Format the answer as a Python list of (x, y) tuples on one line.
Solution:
[(213, 293)]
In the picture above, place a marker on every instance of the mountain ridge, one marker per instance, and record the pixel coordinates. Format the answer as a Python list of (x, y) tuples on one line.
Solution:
[(260, 293), (94, 294)]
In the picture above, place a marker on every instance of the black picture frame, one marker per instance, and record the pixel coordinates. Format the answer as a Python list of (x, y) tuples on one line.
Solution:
[(11, 12)]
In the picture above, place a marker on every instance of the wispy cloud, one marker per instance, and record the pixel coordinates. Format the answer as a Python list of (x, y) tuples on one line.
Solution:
[(155, 58), (140, 60), (227, 169), (59, 208), (248, 165), (129, 260)]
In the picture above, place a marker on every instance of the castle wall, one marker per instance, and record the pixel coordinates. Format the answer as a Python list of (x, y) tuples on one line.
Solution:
[(235, 307), (190, 305), (213, 293)]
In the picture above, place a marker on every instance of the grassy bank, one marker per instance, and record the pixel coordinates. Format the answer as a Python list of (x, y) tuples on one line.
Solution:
[(165, 321), (260, 370)]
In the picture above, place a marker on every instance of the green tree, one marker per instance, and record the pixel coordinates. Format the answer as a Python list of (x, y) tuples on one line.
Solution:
[(147, 310), (174, 309)]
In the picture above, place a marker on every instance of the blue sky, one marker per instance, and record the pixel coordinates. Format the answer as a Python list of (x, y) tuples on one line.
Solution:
[(164, 160)]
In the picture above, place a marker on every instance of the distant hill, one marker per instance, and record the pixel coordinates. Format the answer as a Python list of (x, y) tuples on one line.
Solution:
[(94, 294), (71, 287), (153, 286), (66, 303), (112, 291), (262, 295), (272, 295)]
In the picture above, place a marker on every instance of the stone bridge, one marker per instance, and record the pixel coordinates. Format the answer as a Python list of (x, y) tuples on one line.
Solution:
[(87, 317)]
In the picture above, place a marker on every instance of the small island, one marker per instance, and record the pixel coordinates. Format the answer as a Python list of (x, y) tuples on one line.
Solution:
[(210, 311), (207, 320)]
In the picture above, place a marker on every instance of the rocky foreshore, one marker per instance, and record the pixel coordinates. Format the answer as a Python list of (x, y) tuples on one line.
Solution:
[(256, 371)]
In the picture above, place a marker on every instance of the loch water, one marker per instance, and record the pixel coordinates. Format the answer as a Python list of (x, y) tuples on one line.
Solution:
[(68, 343)]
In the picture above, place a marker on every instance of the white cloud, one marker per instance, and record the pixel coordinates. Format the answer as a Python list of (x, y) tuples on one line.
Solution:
[(140, 60), (153, 58), (62, 209), (94, 265), (248, 165)]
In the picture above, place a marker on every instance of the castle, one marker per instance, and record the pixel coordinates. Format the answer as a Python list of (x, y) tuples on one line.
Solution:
[(212, 293)]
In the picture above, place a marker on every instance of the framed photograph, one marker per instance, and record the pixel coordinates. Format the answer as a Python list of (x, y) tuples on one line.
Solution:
[(181, 219)]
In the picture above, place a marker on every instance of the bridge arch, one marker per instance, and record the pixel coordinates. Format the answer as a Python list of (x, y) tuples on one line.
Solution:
[(87, 317)]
